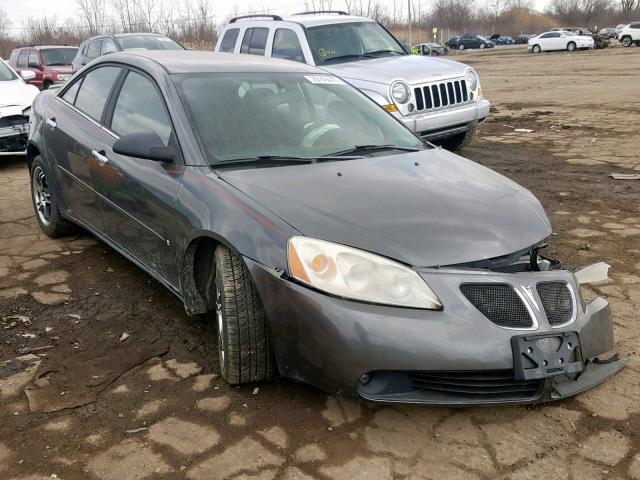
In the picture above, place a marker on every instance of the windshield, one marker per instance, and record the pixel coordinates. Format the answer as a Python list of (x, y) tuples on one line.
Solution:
[(57, 56), (349, 41), (6, 73), (148, 42), (247, 115)]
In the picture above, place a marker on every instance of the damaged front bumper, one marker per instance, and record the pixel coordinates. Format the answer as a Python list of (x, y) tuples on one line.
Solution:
[(456, 356), (14, 129)]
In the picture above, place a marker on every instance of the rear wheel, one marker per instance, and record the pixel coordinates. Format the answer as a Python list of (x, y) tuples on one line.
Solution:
[(571, 46), (626, 41), (46, 85), (458, 141), (45, 203), (461, 46), (244, 346), (536, 49)]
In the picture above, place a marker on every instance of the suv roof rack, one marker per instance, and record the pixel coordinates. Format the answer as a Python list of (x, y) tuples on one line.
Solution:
[(318, 12), (257, 15)]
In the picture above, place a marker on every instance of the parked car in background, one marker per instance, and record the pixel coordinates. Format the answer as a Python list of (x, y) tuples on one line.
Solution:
[(321, 238), (438, 99), (521, 39), (577, 30), (629, 34), (505, 41), (607, 33), (16, 97), (429, 49), (465, 41), (559, 40), (51, 64), (97, 46)]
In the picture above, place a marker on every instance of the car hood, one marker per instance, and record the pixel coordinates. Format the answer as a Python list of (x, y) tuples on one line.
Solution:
[(424, 209), (16, 93), (413, 69)]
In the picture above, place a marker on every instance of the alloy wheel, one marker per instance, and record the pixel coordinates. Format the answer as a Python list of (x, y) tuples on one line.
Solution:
[(626, 42), (41, 195), (220, 321)]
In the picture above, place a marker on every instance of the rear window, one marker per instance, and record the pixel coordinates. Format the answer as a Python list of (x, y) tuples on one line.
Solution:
[(147, 42), (228, 42), (254, 41)]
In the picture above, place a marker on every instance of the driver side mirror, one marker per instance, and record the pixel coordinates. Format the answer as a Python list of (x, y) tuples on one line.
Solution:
[(27, 75), (147, 145)]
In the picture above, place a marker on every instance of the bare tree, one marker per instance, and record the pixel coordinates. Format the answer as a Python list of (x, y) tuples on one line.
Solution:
[(318, 5), (4, 23), (627, 6), (454, 14), (368, 8), (93, 14)]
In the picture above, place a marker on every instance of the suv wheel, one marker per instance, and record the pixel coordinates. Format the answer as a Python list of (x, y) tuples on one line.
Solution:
[(536, 49), (46, 85), (626, 41), (45, 204), (482, 46), (571, 46), (456, 142), (461, 46), (244, 346)]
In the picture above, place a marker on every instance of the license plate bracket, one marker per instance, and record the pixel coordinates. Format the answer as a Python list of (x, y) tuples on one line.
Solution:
[(546, 355)]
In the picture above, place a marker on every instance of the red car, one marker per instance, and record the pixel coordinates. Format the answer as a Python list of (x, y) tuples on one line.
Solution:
[(51, 64)]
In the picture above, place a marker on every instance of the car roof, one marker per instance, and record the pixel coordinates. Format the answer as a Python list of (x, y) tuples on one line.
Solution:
[(44, 47), (307, 19), (189, 61)]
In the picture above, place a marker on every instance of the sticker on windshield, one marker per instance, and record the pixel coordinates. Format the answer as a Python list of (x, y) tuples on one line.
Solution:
[(324, 80)]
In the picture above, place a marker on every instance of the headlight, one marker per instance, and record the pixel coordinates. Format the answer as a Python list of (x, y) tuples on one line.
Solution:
[(358, 275), (400, 92), (472, 80)]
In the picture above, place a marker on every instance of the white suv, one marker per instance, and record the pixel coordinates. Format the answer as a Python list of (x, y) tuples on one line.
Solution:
[(436, 98), (629, 34)]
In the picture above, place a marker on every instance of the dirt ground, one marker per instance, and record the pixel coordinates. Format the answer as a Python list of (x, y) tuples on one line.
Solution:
[(103, 376)]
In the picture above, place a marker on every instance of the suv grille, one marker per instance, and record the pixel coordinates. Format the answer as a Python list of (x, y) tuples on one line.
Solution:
[(439, 95), (485, 385), (557, 301), (499, 303)]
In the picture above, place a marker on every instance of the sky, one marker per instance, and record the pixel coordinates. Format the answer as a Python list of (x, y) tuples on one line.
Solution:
[(19, 10)]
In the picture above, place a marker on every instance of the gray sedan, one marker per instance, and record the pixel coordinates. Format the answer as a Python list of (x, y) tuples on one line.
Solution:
[(326, 241)]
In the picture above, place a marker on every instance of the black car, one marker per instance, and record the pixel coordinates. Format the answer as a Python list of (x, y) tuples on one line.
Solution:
[(323, 239), (469, 41), (521, 39), (97, 46)]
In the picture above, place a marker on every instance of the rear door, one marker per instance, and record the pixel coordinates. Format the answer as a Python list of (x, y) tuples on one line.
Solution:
[(73, 136), (138, 196)]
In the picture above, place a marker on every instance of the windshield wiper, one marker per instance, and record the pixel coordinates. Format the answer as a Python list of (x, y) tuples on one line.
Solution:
[(381, 52), (345, 57), (356, 149), (263, 159)]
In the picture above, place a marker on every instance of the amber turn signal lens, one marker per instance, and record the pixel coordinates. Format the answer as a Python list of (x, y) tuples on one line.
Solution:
[(390, 108), (295, 265)]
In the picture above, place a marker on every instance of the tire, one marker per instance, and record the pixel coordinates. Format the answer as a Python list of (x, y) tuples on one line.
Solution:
[(45, 204), (536, 49), (458, 141), (571, 46), (46, 85), (626, 41), (461, 46), (482, 46), (244, 345)]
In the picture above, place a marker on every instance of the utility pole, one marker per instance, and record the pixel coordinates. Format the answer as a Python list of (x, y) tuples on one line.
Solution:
[(409, 10)]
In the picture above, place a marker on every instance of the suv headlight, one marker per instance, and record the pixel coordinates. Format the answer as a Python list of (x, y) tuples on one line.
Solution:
[(400, 92), (358, 275), (472, 80)]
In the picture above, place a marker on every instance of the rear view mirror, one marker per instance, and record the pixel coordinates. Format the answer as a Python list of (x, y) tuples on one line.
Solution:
[(147, 145), (27, 75)]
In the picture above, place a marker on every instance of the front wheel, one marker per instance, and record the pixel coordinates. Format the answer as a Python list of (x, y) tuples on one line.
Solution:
[(244, 345), (461, 140), (461, 46), (571, 46), (536, 49), (45, 203), (482, 46), (626, 42)]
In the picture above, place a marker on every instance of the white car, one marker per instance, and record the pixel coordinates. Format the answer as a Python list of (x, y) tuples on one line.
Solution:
[(16, 97), (629, 34), (559, 40)]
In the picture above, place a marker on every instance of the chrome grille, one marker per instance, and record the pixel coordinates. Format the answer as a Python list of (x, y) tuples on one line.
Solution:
[(557, 302), (499, 303), (442, 94)]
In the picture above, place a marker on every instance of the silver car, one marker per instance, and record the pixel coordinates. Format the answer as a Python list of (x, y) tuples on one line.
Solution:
[(435, 98)]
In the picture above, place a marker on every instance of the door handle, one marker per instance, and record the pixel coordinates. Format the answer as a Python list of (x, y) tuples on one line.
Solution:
[(51, 122), (100, 156)]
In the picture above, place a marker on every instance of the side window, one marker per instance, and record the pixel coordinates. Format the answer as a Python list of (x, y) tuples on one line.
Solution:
[(72, 92), (140, 108), (635, 25), (34, 61), (95, 90), (94, 49), (254, 41), (108, 47), (228, 42), (547, 35), (286, 45), (22, 59)]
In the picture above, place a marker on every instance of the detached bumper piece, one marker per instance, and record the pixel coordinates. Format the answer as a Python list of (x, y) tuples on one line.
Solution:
[(13, 133)]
